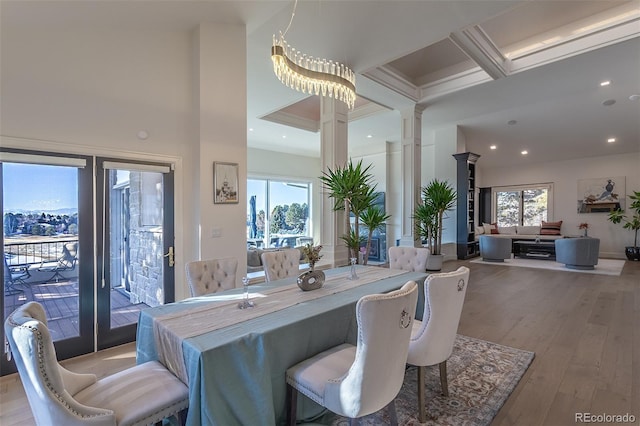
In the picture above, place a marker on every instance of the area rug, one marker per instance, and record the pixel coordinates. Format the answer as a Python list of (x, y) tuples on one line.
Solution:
[(604, 266), (481, 375)]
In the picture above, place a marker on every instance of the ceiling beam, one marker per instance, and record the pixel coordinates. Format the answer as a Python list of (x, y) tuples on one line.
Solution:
[(478, 46)]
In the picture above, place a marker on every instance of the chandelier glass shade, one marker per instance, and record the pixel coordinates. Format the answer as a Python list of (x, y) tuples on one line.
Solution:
[(311, 75)]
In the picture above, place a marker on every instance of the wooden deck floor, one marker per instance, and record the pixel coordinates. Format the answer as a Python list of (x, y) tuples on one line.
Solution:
[(60, 301)]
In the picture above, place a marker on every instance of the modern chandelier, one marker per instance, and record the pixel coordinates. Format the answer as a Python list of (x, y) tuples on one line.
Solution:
[(307, 74)]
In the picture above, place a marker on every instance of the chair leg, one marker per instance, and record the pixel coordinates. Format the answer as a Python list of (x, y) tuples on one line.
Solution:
[(422, 410), (292, 405), (393, 414), (443, 378)]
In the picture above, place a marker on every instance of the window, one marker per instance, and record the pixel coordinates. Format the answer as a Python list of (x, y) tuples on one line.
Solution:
[(278, 213), (526, 205)]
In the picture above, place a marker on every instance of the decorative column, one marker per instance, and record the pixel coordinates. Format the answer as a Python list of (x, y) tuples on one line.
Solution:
[(333, 153), (410, 152)]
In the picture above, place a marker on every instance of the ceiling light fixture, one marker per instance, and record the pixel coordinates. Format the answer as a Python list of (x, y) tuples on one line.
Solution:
[(525, 152), (493, 147), (605, 83), (307, 74), (369, 136), (611, 140)]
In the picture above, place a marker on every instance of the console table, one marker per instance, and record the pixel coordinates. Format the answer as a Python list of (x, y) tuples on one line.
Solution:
[(544, 250)]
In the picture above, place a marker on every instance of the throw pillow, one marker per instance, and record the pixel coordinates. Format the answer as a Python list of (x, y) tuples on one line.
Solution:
[(479, 230), (494, 228), (550, 228), (487, 228)]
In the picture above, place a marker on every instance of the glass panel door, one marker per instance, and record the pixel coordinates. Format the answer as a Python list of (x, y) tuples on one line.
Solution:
[(47, 245), (136, 237)]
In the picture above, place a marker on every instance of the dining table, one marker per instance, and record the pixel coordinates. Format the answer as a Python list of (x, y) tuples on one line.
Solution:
[(234, 360)]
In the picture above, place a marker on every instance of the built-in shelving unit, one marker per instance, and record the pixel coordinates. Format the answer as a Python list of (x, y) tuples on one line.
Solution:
[(467, 246)]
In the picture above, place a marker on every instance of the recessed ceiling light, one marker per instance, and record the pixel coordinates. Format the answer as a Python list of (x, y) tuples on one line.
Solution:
[(525, 152), (511, 122), (251, 129), (143, 135), (493, 147), (284, 136), (605, 83), (609, 102), (369, 136), (634, 97), (611, 140)]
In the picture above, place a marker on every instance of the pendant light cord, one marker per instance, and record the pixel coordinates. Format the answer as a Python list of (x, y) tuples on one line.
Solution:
[(293, 13)]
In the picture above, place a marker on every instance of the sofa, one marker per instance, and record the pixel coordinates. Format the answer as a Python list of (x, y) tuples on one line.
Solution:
[(548, 231), (254, 258)]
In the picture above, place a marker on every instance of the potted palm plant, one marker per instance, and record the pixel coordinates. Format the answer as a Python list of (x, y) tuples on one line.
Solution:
[(352, 189), (373, 219), (437, 198), (631, 222)]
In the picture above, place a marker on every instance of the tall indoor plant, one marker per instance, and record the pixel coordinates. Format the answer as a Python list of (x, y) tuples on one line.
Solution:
[(352, 189), (437, 198), (631, 222), (373, 219)]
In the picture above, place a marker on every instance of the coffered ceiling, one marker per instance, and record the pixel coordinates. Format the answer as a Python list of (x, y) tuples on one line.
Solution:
[(476, 64)]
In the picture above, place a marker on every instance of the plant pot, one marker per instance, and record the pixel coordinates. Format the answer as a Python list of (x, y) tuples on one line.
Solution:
[(434, 262), (632, 253), (311, 280)]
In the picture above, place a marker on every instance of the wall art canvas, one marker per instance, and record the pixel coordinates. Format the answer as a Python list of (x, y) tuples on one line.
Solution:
[(601, 195), (225, 183)]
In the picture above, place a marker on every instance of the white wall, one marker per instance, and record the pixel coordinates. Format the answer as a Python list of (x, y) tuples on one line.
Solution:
[(565, 176), (91, 90)]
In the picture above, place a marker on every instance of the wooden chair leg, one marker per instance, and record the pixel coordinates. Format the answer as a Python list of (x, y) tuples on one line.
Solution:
[(422, 409), (393, 415), (292, 405), (443, 378)]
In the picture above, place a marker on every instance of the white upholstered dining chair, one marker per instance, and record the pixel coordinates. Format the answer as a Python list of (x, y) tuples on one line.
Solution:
[(354, 381), (432, 338), (281, 264), (412, 259), (141, 395), (211, 276)]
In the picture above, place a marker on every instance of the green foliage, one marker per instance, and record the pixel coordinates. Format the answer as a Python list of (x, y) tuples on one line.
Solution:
[(277, 219), (437, 198), (630, 222), (353, 242), (374, 219), (352, 190)]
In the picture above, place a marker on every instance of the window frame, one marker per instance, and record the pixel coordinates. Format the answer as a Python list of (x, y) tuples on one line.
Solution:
[(520, 188), (268, 179)]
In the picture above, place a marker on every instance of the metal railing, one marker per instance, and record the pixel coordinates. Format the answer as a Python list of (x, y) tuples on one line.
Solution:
[(35, 252)]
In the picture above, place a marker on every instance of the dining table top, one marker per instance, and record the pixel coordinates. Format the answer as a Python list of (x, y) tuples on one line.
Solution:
[(233, 360)]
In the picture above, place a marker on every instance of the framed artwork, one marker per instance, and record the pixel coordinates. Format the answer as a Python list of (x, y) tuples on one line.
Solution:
[(225, 183), (601, 195)]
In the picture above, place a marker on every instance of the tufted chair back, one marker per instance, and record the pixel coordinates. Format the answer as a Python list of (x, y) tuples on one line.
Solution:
[(408, 258), (140, 395), (432, 338), (281, 264), (42, 376), (211, 276)]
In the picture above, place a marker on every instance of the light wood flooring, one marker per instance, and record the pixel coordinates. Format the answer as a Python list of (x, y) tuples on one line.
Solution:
[(583, 328)]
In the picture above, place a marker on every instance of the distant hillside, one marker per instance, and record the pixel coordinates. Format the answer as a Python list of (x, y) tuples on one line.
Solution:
[(54, 212)]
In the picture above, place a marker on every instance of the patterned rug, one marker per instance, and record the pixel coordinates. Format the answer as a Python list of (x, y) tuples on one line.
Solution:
[(481, 374)]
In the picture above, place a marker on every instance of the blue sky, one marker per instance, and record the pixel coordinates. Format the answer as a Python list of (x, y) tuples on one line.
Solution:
[(39, 188), (281, 194)]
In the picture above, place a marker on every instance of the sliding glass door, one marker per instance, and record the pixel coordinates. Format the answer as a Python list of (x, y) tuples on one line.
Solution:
[(47, 244), (91, 292), (135, 242)]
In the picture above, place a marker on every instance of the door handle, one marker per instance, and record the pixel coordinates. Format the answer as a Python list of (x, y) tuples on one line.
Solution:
[(171, 257)]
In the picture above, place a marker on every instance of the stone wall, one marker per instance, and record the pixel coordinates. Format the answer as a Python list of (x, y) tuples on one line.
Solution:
[(145, 239)]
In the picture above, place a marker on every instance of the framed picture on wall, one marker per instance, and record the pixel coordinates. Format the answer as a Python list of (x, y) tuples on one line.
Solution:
[(601, 195), (225, 183)]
